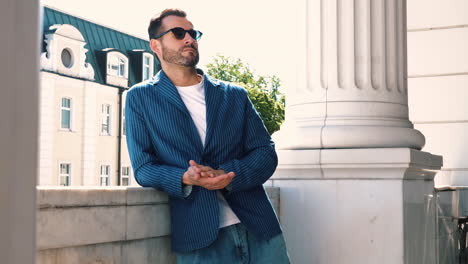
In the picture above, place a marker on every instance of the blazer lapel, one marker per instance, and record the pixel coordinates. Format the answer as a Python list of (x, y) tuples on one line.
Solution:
[(169, 91), (213, 98)]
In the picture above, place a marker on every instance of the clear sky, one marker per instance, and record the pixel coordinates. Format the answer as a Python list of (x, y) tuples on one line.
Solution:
[(260, 32)]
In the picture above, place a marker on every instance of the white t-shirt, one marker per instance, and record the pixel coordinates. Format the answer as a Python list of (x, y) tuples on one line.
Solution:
[(194, 99)]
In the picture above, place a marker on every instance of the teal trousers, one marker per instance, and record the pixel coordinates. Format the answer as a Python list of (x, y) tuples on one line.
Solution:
[(235, 245)]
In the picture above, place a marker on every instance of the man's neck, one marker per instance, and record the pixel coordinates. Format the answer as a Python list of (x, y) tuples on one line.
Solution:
[(181, 76)]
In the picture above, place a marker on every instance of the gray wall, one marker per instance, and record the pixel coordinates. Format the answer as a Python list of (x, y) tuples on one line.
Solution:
[(19, 51)]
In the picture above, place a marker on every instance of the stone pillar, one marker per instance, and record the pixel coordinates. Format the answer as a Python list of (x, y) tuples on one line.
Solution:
[(19, 122), (358, 205), (354, 186), (354, 86)]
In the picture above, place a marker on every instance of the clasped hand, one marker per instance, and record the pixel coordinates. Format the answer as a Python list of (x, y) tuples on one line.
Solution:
[(206, 177)]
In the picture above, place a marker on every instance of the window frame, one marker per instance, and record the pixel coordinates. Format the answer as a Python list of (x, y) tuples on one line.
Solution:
[(103, 117), (117, 64), (70, 109), (129, 168), (60, 175), (72, 57), (101, 175), (124, 129), (149, 66)]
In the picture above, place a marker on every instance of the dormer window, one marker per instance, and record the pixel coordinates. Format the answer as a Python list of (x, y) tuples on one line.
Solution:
[(117, 66), (147, 66), (66, 52)]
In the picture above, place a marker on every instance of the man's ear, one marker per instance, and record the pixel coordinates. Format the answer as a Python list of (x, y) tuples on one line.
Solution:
[(155, 46)]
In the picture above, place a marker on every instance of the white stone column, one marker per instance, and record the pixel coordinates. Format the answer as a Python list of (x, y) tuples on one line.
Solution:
[(19, 129), (354, 186), (354, 87)]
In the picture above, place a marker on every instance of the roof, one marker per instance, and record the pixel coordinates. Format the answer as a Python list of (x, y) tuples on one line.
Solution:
[(97, 39)]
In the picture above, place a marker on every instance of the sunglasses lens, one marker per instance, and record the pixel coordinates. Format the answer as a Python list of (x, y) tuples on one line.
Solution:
[(179, 33), (196, 34), (193, 34)]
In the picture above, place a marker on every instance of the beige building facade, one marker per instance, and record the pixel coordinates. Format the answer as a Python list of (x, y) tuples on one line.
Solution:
[(83, 87)]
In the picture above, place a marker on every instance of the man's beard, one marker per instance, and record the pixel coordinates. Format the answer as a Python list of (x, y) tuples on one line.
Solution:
[(176, 57)]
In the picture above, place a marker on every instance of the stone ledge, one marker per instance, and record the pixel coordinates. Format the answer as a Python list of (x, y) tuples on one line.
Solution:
[(58, 228), (152, 250), (139, 195), (79, 216), (83, 196)]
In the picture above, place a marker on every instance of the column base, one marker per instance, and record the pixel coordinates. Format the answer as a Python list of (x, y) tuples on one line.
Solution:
[(315, 137), (358, 205)]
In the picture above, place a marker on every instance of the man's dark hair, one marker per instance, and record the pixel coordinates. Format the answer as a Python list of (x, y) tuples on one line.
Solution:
[(155, 22)]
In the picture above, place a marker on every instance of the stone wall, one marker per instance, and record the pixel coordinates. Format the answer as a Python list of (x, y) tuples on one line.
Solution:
[(106, 225), (438, 82)]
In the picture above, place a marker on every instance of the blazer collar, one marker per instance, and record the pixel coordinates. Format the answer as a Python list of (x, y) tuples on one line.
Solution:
[(166, 88), (213, 97)]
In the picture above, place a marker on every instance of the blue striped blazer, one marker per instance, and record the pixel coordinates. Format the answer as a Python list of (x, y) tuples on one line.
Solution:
[(162, 138)]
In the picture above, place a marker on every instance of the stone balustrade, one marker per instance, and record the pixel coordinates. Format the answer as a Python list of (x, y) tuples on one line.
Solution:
[(106, 225)]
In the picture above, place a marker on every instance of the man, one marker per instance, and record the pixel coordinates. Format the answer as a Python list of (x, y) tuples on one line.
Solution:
[(201, 141)]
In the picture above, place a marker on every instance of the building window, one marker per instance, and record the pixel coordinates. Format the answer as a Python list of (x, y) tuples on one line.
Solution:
[(116, 66), (125, 180), (124, 129), (121, 69), (147, 66), (105, 119), (67, 58), (65, 113), (64, 174), (104, 175)]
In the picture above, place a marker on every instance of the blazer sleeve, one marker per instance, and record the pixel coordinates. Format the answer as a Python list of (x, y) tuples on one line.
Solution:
[(144, 157), (259, 159)]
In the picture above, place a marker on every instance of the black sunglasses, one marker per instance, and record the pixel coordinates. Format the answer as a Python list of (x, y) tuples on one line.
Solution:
[(179, 33)]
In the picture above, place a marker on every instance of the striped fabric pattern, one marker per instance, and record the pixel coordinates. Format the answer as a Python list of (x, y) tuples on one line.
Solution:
[(162, 138)]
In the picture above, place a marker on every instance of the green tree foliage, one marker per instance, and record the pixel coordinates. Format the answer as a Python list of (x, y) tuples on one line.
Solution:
[(263, 91)]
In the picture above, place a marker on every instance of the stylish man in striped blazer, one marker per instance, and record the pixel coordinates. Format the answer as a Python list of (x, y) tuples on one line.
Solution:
[(202, 142)]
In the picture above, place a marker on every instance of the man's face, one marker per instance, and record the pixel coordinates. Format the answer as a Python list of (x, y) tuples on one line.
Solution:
[(183, 52)]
